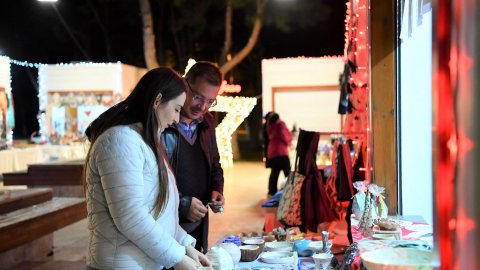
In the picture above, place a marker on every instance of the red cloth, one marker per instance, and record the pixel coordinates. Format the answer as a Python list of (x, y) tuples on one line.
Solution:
[(279, 138)]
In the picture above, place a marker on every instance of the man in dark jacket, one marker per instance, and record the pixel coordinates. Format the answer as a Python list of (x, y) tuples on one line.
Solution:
[(192, 150)]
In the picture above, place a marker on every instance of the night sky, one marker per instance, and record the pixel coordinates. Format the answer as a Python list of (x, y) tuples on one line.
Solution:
[(110, 31)]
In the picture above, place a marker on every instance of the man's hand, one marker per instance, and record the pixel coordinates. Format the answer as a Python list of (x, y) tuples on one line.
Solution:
[(197, 210), (197, 256), (217, 201)]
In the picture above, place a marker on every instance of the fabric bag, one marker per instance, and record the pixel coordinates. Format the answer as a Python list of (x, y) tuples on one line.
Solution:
[(289, 208), (344, 173), (315, 205)]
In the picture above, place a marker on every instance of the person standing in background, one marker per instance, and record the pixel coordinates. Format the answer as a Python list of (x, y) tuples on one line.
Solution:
[(191, 147), (131, 195), (265, 140), (279, 140)]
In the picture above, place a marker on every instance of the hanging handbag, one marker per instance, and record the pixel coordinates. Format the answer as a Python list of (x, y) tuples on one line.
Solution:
[(344, 172), (315, 205), (289, 207)]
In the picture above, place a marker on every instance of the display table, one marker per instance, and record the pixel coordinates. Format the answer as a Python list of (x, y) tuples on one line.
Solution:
[(18, 159), (299, 263), (415, 233), (259, 264)]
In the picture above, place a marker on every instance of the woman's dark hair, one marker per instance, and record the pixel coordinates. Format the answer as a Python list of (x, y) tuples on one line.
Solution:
[(272, 118), (138, 108)]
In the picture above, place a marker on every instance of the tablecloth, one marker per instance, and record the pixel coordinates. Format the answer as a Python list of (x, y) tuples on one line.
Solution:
[(18, 159), (416, 234)]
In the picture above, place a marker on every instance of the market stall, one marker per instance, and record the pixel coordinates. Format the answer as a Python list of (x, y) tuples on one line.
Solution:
[(7, 120), (72, 95), (303, 91)]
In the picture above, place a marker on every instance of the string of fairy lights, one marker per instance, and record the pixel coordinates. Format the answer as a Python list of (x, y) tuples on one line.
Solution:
[(236, 108)]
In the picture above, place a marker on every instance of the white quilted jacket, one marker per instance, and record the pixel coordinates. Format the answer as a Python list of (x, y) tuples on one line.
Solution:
[(122, 185)]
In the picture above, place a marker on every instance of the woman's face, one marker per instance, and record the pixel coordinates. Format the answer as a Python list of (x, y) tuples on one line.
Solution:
[(168, 113)]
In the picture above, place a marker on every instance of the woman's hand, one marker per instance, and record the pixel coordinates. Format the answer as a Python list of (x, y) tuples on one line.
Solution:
[(197, 256), (186, 263)]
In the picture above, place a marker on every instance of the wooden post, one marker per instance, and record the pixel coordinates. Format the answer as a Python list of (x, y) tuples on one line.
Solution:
[(383, 99)]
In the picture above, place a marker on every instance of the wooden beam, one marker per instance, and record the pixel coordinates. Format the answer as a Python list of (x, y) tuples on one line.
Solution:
[(19, 198), (383, 99), (48, 174), (27, 224)]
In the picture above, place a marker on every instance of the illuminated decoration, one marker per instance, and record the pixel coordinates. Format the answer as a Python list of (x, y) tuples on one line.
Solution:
[(25, 63), (72, 95), (190, 63), (354, 101), (229, 88), (237, 109), (7, 119)]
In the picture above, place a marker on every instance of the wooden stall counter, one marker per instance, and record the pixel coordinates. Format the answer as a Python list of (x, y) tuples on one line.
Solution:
[(64, 177)]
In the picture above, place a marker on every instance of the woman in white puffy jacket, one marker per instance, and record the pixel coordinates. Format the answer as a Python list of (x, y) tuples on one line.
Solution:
[(132, 197)]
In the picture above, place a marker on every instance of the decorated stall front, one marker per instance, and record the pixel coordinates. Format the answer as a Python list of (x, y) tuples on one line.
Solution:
[(72, 95), (304, 91), (7, 120)]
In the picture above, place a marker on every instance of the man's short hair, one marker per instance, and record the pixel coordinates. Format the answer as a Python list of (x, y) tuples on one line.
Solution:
[(206, 70)]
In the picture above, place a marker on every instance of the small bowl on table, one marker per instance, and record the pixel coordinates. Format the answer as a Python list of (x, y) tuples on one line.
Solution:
[(255, 241), (279, 246), (249, 253), (317, 246)]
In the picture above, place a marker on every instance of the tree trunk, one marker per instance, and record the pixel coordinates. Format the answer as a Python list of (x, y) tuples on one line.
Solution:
[(251, 41), (149, 50), (176, 38), (228, 34)]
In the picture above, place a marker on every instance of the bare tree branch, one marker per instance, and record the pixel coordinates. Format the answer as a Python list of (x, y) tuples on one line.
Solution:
[(251, 41), (228, 33), (149, 50)]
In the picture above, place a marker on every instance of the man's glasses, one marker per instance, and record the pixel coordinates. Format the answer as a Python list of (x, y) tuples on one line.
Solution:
[(201, 99)]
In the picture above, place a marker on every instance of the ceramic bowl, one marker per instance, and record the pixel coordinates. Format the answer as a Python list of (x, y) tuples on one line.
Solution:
[(397, 259), (269, 238), (279, 246), (317, 246), (277, 257), (322, 260), (380, 236), (301, 247), (249, 253), (255, 241)]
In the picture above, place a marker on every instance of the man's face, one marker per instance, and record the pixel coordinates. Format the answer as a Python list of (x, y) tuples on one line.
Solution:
[(201, 95)]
